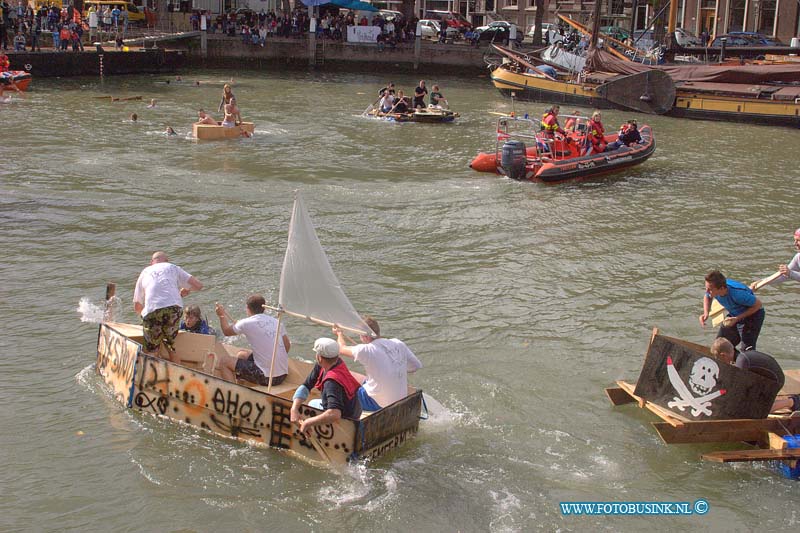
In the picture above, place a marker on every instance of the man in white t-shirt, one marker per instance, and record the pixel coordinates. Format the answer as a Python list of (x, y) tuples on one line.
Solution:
[(158, 299), (387, 363), (260, 330)]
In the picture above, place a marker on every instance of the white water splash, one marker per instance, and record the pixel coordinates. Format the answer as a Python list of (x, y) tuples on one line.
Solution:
[(94, 313)]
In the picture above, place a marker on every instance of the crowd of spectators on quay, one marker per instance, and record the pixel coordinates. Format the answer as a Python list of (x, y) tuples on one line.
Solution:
[(257, 27), (22, 26)]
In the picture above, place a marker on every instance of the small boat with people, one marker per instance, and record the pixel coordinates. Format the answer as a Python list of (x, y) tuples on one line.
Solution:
[(700, 398), (215, 132), (525, 151), (15, 80), (396, 107), (427, 115), (191, 388)]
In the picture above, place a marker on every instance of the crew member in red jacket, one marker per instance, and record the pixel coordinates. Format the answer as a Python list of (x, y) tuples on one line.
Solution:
[(550, 123), (597, 133)]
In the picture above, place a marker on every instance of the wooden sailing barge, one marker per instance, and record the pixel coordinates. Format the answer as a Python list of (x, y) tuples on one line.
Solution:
[(760, 94), (701, 401)]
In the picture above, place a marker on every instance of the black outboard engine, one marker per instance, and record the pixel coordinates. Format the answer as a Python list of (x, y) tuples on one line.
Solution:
[(513, 159)]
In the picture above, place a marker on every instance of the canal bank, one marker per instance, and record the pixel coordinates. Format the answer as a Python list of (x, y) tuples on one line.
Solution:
[(220, 51), (424, 57), (98, 62)]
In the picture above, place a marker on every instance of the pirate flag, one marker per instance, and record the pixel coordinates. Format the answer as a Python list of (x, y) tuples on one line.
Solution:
[(685, 379)]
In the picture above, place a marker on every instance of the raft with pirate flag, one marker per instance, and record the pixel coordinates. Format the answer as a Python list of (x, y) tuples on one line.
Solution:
[(700, 399), (192, 389)]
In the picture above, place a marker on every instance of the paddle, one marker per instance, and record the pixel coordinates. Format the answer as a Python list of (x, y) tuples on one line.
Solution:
[(717, 312), (372, 105)]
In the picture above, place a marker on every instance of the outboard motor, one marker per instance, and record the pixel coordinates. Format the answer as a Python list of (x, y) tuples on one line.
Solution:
[(513, 159)]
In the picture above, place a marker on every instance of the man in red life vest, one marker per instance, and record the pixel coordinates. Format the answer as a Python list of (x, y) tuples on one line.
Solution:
[(597, 133), (337, 385), (550, 123)]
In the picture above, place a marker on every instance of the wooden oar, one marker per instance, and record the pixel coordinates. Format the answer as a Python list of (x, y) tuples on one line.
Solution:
[(717, 312), (371, 106)]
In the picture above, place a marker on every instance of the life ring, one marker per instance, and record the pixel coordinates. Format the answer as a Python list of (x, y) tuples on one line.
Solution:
[(28, 67)]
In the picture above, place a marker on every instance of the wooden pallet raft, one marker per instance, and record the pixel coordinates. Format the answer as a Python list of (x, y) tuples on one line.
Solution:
[(701, 400)]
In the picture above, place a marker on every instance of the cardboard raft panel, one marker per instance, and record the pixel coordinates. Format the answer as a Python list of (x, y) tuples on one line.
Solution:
[(700, 387)]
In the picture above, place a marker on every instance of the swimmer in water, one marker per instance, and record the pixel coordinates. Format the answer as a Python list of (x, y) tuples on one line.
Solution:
[(134, 117), (152, 103), (170, 131)]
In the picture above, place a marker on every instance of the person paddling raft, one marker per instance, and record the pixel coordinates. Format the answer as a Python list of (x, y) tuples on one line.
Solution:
[(787, 271), (400, 106), (436, 97)]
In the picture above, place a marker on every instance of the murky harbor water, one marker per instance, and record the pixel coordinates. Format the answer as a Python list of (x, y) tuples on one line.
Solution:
[(523, 302)]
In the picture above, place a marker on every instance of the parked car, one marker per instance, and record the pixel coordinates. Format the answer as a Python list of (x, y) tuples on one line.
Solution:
[(734, 40), (550, 33), (616, 32), (762, 39), (430, 30), (686, 38), (388, 14), (496, 32), (456, 20), (643, 39)]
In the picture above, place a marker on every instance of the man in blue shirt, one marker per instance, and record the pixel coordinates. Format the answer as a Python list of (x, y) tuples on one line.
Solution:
[(745, 312)]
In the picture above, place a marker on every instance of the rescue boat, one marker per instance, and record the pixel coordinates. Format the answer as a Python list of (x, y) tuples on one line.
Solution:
[(557, 160), (15, 78)]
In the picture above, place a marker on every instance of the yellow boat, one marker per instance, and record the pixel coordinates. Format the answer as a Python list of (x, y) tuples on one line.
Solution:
[(765, 103), (210, 132)]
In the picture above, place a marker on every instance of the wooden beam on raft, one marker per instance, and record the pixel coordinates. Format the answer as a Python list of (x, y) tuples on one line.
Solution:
[(521, 60), (741, 456), (739, 430), (670, 418), (619, 396)]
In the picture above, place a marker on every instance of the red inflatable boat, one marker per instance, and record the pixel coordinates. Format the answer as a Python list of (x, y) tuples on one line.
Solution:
[(529, 155)]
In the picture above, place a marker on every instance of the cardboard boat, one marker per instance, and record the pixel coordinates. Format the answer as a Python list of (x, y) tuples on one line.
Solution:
[(733, 407), (193, 392), (209, 132)]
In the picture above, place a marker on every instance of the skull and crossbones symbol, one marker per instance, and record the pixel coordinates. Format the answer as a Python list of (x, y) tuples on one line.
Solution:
[(702, 381)]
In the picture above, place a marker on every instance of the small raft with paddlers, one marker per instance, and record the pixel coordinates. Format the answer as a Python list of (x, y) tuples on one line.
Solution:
[(700, 399), (557, 159), (427, 115)]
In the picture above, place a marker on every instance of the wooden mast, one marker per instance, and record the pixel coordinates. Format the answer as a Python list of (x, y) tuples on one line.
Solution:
[(673, 15), (595, 24)]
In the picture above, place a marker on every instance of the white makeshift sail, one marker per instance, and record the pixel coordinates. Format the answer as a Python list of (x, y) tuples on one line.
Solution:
[(309, 288)]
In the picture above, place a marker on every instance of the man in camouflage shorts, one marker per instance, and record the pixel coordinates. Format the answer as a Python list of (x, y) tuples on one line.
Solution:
[(158, 299)]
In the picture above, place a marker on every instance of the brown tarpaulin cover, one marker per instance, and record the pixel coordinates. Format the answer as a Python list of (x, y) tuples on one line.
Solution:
[(600, 60)]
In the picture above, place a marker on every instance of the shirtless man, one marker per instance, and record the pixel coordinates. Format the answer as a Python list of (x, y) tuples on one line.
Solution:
[(205, 119), (230, 117)]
